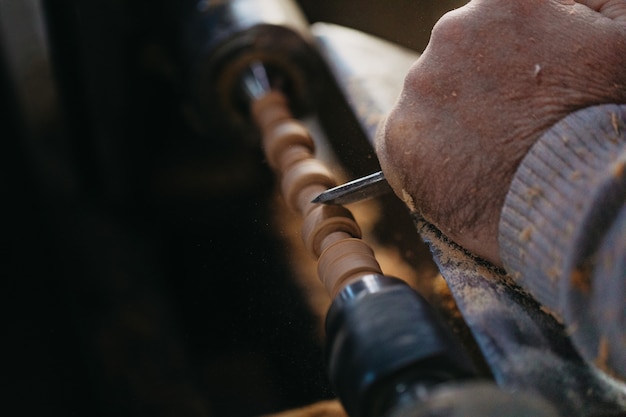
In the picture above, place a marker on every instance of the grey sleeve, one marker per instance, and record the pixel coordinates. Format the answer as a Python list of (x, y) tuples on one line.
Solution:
[(563, 230)]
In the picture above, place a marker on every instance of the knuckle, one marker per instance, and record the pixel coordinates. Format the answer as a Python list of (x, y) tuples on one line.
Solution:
[(450, 27)]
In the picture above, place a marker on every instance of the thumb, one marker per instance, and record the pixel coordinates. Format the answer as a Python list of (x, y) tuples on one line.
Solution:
[(613, 9)]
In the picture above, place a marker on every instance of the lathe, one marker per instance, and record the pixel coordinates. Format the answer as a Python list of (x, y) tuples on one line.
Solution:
[(165, 254)]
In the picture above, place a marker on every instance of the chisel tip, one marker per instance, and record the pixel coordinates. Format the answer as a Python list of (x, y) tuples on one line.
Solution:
[(364, 188)]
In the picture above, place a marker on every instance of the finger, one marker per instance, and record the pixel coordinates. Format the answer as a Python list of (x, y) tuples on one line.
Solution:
[(613, 9)]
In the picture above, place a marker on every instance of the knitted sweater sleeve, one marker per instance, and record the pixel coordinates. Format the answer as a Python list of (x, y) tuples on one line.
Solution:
[(563, 230)]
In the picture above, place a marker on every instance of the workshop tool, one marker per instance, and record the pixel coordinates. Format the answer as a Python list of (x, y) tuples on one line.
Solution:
[(364, 188), (222, 39)]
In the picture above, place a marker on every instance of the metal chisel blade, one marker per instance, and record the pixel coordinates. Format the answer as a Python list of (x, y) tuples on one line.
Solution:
[(364, 188)]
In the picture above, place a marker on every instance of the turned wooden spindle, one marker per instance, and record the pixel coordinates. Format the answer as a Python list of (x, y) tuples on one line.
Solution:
[(330, 233)]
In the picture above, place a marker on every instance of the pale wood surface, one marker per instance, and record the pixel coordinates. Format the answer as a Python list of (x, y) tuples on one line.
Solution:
[(330, 408)]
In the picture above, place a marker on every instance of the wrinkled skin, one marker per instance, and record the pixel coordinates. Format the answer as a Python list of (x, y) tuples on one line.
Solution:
[(495, 75)]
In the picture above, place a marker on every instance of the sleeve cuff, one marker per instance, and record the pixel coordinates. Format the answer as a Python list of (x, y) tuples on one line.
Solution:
[(562, 206)]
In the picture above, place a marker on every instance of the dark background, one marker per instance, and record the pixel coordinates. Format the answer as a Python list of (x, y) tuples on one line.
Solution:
[(142, 272)]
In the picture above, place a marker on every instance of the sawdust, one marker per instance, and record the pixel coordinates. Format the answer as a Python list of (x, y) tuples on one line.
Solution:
[(618, 169), (327, 408), (602, 358), (455, 258), (552, 313), (408, 200), (615, 122), (581, 279), (526, 234)]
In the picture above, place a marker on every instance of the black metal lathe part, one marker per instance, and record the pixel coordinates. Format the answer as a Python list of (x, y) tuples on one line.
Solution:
[(386, 343)]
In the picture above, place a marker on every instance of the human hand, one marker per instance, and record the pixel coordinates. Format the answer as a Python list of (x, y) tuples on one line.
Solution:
[(494, 77)]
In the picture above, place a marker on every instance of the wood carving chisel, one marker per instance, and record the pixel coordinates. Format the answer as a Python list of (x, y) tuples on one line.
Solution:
[(363, 188)]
